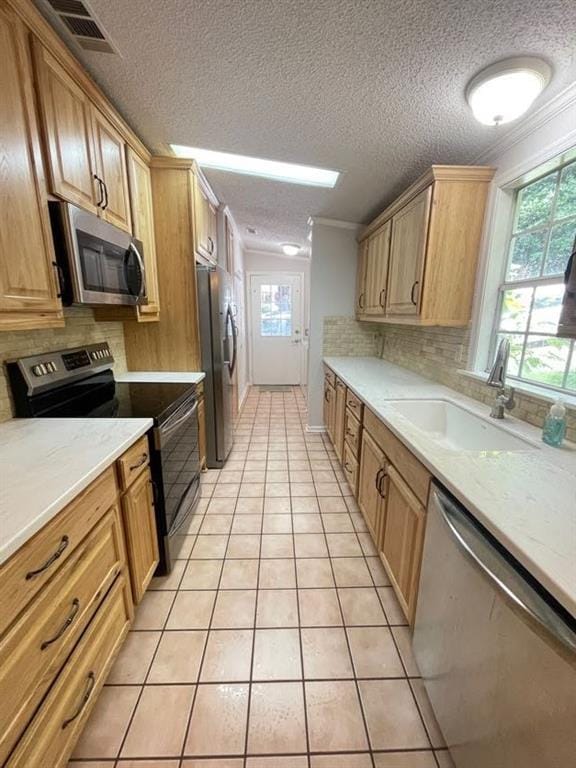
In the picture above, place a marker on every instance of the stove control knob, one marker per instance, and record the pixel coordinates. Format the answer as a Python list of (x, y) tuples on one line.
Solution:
[(94, 355), (37, 370)]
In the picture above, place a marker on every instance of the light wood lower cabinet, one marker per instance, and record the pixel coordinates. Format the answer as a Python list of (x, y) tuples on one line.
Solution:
[(339, 416), (52, 734), (370, 479), (28, 286), (140, 529), (35, 648), (401, 540), (329, 408)]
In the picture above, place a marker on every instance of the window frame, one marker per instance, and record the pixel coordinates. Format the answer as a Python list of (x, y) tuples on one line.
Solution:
[(507, 284), (494, 258)]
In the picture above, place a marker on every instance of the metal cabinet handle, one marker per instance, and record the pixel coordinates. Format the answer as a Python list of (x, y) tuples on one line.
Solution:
[(60, 279), (91, 682), (380, 476), (101, 189), (69, 620), (351, 404), (51, 560), (415, 284), (105, 195), (139, 463), (348, 468), (211, 249), (381, 297), (361, 300), (327, 395)]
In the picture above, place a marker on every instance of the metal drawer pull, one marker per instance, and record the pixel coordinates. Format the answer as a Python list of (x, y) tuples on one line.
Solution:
[(361, 300), (380, 298), (351, 404), (51, 560), (382, 474), (348, 468), (139, 463), (70, 618), (414, 286), (89, 688)]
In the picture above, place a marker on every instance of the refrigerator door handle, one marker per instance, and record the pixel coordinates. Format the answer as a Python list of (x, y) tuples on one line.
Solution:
[(230, 319)]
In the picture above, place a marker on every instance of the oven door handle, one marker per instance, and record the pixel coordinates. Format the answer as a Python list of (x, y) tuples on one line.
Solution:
[(170, 426), (140, 260)]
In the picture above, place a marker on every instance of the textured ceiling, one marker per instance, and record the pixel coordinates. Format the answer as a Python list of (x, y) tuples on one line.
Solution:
[(373, 88)]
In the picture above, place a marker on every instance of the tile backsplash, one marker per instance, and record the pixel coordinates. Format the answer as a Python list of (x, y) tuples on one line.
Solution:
[(80, 328), (437, 353), (346, 337)]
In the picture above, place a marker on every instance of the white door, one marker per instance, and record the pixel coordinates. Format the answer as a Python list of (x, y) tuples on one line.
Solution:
[(276, 328)]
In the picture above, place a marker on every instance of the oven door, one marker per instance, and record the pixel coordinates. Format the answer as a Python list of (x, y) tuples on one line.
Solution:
[(177, 441), (106, 264)]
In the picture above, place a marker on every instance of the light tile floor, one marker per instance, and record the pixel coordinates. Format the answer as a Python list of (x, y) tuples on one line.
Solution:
[(276, 641)]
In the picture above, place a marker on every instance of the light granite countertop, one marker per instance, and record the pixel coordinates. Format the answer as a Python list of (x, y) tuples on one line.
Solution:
[(161, 377), (526, 499), (46, 463)]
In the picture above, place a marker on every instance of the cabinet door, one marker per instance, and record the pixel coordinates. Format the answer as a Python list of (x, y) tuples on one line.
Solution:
[(140, 529), (143, 228), (360, 303), (66, 115), (28, 292), (407, 254), (377, 270), (329, 406), (204, 222), (372, 463), (339, 416), (401, 541), (110, 151)]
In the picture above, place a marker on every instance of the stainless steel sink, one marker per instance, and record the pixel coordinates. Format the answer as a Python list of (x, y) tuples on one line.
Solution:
[(458, 429)]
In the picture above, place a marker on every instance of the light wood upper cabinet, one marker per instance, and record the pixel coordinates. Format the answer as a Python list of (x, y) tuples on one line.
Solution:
[(370, 483), (28, 287), (205, 221), (435, 232), (86, 154), (360, 302), (67, 119), (143, 228), (140, 529), (407, 254), (110, 152), (377, 258), (402, 539)]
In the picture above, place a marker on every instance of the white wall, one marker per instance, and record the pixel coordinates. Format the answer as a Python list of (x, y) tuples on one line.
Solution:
[(261, 261), (332, 281)]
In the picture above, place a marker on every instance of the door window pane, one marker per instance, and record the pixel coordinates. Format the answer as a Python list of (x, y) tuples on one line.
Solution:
[(276, 310)]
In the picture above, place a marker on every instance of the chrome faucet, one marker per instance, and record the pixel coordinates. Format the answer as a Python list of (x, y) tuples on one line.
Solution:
[(497, 378)]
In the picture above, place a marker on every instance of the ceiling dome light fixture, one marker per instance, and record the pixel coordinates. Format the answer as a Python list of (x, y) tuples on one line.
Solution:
[(505, 90), (290, 249)]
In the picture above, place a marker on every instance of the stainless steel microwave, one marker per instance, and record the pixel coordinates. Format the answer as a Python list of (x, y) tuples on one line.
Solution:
[(98, 263)]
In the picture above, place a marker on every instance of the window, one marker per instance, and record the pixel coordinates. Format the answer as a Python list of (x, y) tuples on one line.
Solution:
[(276, 310), (543, 232)]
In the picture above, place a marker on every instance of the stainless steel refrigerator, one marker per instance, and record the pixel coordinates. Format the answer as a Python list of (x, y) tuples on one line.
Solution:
[(218, 342)]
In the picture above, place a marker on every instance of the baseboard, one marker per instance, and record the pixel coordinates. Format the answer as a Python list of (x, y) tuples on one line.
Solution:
[(315, 430)]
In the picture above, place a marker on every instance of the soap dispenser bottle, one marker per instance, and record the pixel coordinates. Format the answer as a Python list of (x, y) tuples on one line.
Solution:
[(554, 429)]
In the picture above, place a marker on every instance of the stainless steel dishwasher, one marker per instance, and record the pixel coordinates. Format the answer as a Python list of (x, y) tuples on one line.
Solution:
[(497, 654)]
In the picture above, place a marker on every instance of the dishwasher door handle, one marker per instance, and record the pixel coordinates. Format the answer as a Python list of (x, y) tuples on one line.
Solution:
[(507, 581)]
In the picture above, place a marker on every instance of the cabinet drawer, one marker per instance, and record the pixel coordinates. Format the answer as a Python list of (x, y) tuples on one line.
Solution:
[(355, 404), (52, 734), (352, 432), (413, 472), (329, 377), (131, 463), (26, 572), (37, 645), (350, 467)]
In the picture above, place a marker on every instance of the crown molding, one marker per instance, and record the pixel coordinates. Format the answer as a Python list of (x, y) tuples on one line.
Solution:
[(564, 100), (333, 223)]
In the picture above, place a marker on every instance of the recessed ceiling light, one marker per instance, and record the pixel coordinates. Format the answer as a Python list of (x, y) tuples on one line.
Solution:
[(255, 166), (505, 90), (290, 249)]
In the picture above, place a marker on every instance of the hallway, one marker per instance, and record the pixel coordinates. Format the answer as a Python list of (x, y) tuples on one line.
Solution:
[(276, 641)]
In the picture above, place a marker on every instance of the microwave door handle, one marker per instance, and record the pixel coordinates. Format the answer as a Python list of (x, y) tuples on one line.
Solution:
[(136, 252)]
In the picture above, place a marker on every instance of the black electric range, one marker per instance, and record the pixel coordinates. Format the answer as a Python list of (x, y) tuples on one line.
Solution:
[(79, 383)]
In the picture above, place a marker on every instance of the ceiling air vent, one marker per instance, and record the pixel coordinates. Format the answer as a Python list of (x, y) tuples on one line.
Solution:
[(80, 22)]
